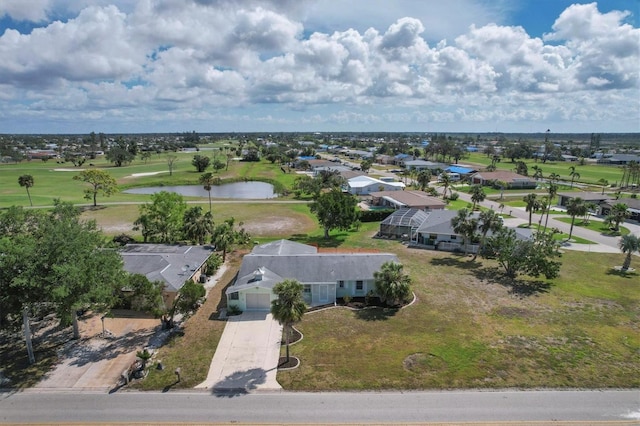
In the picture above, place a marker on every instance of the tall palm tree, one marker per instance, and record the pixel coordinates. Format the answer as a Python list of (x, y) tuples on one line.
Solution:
[(532, 204), (445, 182), (552, 191), (537, 172), (196, 225), (289, 307), (629, 244), (488, 221), (575, 207), (477, 195), (574, 175), (604, 184), (207, 180), (26, 181)]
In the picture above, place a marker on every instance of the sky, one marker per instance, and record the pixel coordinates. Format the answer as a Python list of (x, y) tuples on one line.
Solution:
[(156, 66)]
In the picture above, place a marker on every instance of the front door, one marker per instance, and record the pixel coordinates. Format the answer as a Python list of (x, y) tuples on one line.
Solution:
[(324, 293)]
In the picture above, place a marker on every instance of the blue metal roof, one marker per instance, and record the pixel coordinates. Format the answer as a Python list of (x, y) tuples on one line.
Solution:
[(458, 169)]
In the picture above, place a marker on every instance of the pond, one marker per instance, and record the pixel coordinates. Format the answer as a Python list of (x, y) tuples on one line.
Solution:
[(242, 190)]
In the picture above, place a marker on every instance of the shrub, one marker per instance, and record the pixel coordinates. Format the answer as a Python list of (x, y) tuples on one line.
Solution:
[(346, 299), (374, 215), (454, 196)]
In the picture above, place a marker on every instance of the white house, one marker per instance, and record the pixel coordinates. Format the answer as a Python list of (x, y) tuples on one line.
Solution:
[(365, 185), (325, 276)]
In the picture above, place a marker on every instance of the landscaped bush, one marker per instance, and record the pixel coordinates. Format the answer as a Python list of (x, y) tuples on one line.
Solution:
[(374, 215)]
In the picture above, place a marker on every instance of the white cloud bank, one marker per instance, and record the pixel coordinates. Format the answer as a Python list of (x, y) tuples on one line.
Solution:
[(221, 65)]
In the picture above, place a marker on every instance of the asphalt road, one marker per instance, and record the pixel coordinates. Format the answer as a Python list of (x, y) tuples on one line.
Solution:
[(285, 407)]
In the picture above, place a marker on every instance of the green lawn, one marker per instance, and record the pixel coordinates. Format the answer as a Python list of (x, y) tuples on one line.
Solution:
[(559, 236), (589, 173), (596, 226)]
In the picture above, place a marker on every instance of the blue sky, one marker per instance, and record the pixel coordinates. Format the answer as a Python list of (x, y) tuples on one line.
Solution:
[(76, 66)]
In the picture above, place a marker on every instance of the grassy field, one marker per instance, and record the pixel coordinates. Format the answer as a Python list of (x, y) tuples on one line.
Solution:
[(596, 226)]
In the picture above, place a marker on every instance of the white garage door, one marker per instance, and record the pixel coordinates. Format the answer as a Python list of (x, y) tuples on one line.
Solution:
[(258, 302)]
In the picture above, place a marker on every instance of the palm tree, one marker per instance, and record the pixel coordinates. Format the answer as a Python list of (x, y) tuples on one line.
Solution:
[(197, 226), (488, 221), (477, 195), (289, 307), (574, 175), (590, 207), (465, 225), (26, 181), (445, 181), (537, 172), (604, 184), (532, 204), (575, 207), (551, 191), (619, 212), (392, 285), (424, 177), (207, 180), (491, 168), (554, 177), (629, 244)]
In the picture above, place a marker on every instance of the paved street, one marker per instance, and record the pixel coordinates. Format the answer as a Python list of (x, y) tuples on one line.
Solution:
[(582, 407)]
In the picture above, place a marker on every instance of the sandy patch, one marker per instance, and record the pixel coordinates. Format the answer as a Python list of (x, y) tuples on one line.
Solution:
[(68, 170), (278, 225), (134, 175)]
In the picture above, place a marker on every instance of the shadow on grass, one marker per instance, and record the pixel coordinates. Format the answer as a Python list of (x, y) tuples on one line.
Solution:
[(516, 286), (620, 273), (334, 240), (457, 260), (375, 313)]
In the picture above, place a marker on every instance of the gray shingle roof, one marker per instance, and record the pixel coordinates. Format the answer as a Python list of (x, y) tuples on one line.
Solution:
[(170, 264)]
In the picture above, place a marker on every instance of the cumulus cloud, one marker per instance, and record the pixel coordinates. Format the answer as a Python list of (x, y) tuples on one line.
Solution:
[(25, 10), (191, 59)]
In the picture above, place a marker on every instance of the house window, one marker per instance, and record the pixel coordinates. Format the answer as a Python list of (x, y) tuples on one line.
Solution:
[(341, 284), (234, 296), (453, 237), (360, 285), (307, 288)]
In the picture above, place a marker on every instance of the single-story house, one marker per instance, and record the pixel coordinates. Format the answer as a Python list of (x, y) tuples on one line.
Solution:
[(464, 172), (169, 264), (513, 180), (570, 158), (406, 199), (591, 197), (423, 164), (364, 185), (325, 276), (431, 229), (620, 159), (633, 207)]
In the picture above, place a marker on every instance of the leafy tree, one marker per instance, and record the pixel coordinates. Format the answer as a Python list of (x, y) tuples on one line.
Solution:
[(491, 168), (521, 168), (465, 224), (119, 156), (189, 298), (575, 207), (477, 195), (101, 183), (488, 221), (145, 156), (218, 164), (171, 163), (619, 213), (197, 227), (207, 180), (289, 307), (162, 220), (532, 257), (424, 177), (145, 295), (26, 181), (200, 162), (392, 284), (225, 236), (365, 165), (629, 244), (335, 210), (531, 204)]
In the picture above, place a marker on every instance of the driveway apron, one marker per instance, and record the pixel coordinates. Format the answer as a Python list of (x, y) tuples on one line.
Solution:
[(247, 355)]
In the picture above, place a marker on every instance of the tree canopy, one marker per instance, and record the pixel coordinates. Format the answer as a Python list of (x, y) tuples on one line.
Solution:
[(161, 220), (101, 183), (393, 286), (335, 210)]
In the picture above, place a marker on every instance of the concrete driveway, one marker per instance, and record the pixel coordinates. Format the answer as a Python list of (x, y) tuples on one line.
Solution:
[(247, 355)]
